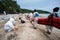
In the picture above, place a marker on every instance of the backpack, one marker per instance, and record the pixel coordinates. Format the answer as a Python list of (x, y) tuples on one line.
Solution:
[(36, 15), (56, 15)]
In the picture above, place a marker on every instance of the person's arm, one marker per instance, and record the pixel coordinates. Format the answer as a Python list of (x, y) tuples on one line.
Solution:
[(50, 16)]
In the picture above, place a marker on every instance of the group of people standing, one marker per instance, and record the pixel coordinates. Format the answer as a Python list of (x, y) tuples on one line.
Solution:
[(33, 18)]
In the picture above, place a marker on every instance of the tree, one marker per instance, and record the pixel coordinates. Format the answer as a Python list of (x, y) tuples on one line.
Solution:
[(9, 6)]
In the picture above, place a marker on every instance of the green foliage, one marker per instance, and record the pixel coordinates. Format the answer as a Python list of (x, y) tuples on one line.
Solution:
[(31, 11), (9, 6), (41, 11), (25, 11)]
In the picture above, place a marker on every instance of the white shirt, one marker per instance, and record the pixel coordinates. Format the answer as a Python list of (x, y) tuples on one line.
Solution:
[(12, 20), (9, 25), (35, 13), (23, 18), (58, 14), (31, 15)]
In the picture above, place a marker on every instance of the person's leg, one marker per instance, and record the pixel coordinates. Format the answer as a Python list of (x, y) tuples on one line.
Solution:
[(35, 22), (6, 31), (30, 21), (49, 29)]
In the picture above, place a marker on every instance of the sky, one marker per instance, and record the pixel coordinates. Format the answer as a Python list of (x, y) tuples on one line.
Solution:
[(46, 5)]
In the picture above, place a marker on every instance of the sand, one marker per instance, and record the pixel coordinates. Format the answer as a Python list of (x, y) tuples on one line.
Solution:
[(27, 32)]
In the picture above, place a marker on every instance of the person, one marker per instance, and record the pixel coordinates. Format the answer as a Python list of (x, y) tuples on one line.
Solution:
[(30, 17), (35, 16), (5, 13), (9, 26), (23, 19), (54, 14)]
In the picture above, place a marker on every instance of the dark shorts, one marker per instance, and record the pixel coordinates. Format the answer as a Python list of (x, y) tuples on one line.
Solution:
[(22, 21)]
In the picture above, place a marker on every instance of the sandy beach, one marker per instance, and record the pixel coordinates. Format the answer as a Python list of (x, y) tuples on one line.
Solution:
[(26, 31)]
